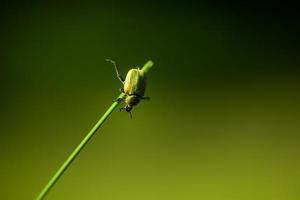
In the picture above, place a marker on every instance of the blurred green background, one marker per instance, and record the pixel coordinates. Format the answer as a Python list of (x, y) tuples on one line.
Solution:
[(224, 117)]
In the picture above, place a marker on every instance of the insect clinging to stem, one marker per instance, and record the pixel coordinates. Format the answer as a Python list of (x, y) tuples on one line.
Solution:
[(134, 85)]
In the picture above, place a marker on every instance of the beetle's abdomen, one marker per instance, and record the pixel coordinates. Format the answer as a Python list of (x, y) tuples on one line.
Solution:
[(135, 82)]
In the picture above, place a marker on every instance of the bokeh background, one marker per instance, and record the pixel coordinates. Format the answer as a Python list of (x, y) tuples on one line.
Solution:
[(224, 117)]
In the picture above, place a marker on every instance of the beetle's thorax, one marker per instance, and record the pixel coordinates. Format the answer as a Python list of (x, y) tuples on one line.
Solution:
[(132, 100)]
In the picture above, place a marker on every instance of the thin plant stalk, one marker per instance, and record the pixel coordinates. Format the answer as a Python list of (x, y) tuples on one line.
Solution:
[(76, 151), (82, 144)]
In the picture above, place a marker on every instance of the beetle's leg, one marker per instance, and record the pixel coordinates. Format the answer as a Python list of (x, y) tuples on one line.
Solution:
[(117, 70), (118, 100), (145, 98)]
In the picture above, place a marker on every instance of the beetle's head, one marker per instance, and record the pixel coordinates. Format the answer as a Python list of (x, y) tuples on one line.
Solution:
[(128, 108)]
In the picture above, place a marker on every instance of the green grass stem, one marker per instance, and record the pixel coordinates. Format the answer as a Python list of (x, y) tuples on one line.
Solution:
[(147, 66), (76, 151)]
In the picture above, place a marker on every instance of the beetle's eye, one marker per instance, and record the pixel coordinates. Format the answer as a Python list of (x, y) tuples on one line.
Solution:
[(128, 108)]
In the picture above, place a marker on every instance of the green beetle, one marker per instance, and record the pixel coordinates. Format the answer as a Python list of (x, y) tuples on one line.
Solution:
[(134, 85)]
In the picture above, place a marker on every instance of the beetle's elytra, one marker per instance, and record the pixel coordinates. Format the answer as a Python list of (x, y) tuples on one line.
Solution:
[(134, 86)]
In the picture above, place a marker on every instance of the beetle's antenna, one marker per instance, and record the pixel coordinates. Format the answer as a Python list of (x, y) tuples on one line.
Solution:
[(117, 70), (130, 114), (127, 111)]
